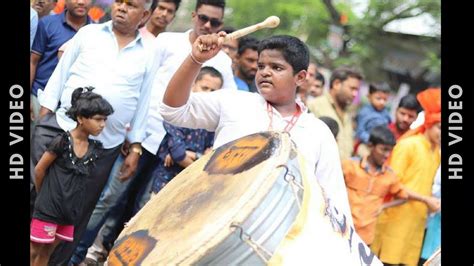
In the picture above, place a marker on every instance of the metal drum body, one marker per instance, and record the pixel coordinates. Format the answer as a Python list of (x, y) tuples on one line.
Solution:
[(233, 206)]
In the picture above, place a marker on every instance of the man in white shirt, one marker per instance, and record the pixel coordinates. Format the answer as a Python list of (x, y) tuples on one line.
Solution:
[(112, 58), (170, 49)]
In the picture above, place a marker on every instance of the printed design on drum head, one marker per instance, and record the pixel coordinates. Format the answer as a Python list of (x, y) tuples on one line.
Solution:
[(243, 154), (132, 249)]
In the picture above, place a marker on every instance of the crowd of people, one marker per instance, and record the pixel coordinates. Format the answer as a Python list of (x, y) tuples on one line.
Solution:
[(119, 108)]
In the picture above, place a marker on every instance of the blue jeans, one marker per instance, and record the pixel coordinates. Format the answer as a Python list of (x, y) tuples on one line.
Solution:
[(121, 214), (130, 203), (111, 202), (111, 193)]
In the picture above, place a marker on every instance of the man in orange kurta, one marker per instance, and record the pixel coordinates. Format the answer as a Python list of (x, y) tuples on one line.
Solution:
[(415, 159)]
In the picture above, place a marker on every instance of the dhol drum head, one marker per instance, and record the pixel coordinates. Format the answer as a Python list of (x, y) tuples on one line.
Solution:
[(232, 206)]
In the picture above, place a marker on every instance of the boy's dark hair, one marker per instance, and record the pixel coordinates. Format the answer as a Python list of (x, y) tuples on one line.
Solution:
[(410, 102), (247, 42), (293, 50), (154, 4), (332, 124), (343, 73), (86, 103), (381, 135), (217, 3), (208, 70), (378, 87), (320, 77)]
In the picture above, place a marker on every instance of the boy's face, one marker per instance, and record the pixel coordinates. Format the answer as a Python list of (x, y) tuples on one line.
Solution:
[(275, 79), (380, 153), (404, 118), (207, 83), (378, 100)]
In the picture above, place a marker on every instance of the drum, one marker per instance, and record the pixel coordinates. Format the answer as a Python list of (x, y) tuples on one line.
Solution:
[(248, 202)]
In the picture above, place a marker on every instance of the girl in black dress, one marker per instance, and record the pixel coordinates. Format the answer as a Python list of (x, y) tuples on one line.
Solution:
[(61, 172)]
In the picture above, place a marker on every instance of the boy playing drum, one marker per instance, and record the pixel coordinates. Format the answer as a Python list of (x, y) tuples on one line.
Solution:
[(282, 67)]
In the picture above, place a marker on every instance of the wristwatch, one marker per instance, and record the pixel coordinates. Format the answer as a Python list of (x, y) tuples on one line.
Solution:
[(136, 149)]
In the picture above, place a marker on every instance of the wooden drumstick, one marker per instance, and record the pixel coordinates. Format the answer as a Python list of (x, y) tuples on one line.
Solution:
[(270, 22)]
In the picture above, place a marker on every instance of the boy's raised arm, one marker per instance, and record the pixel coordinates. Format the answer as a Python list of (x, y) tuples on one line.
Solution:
[(204, 48)]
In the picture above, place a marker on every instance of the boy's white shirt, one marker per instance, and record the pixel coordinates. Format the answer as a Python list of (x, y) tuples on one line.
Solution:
[(234, 114)]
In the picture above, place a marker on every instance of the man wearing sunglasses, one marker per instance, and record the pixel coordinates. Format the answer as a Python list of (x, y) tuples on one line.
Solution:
[(171, 48)]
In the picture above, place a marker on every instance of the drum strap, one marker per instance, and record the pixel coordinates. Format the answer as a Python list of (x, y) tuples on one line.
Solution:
[(261, 252), (290, 241), (290, 124)]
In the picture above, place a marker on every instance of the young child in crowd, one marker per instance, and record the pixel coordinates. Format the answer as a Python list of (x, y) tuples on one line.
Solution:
[(369, 180), (60, 173), (373, 114), (182, 146)]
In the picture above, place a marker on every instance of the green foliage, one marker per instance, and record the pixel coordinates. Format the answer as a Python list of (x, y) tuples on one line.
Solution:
[(432, 62), (366, 32), (306, 19), (310, 21)]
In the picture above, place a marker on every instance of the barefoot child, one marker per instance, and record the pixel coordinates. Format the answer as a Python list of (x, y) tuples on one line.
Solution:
[(60, 173)]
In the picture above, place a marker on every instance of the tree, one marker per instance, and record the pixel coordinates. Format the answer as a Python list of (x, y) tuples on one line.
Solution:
[(306, 19), (364, 35), (311, 20)]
